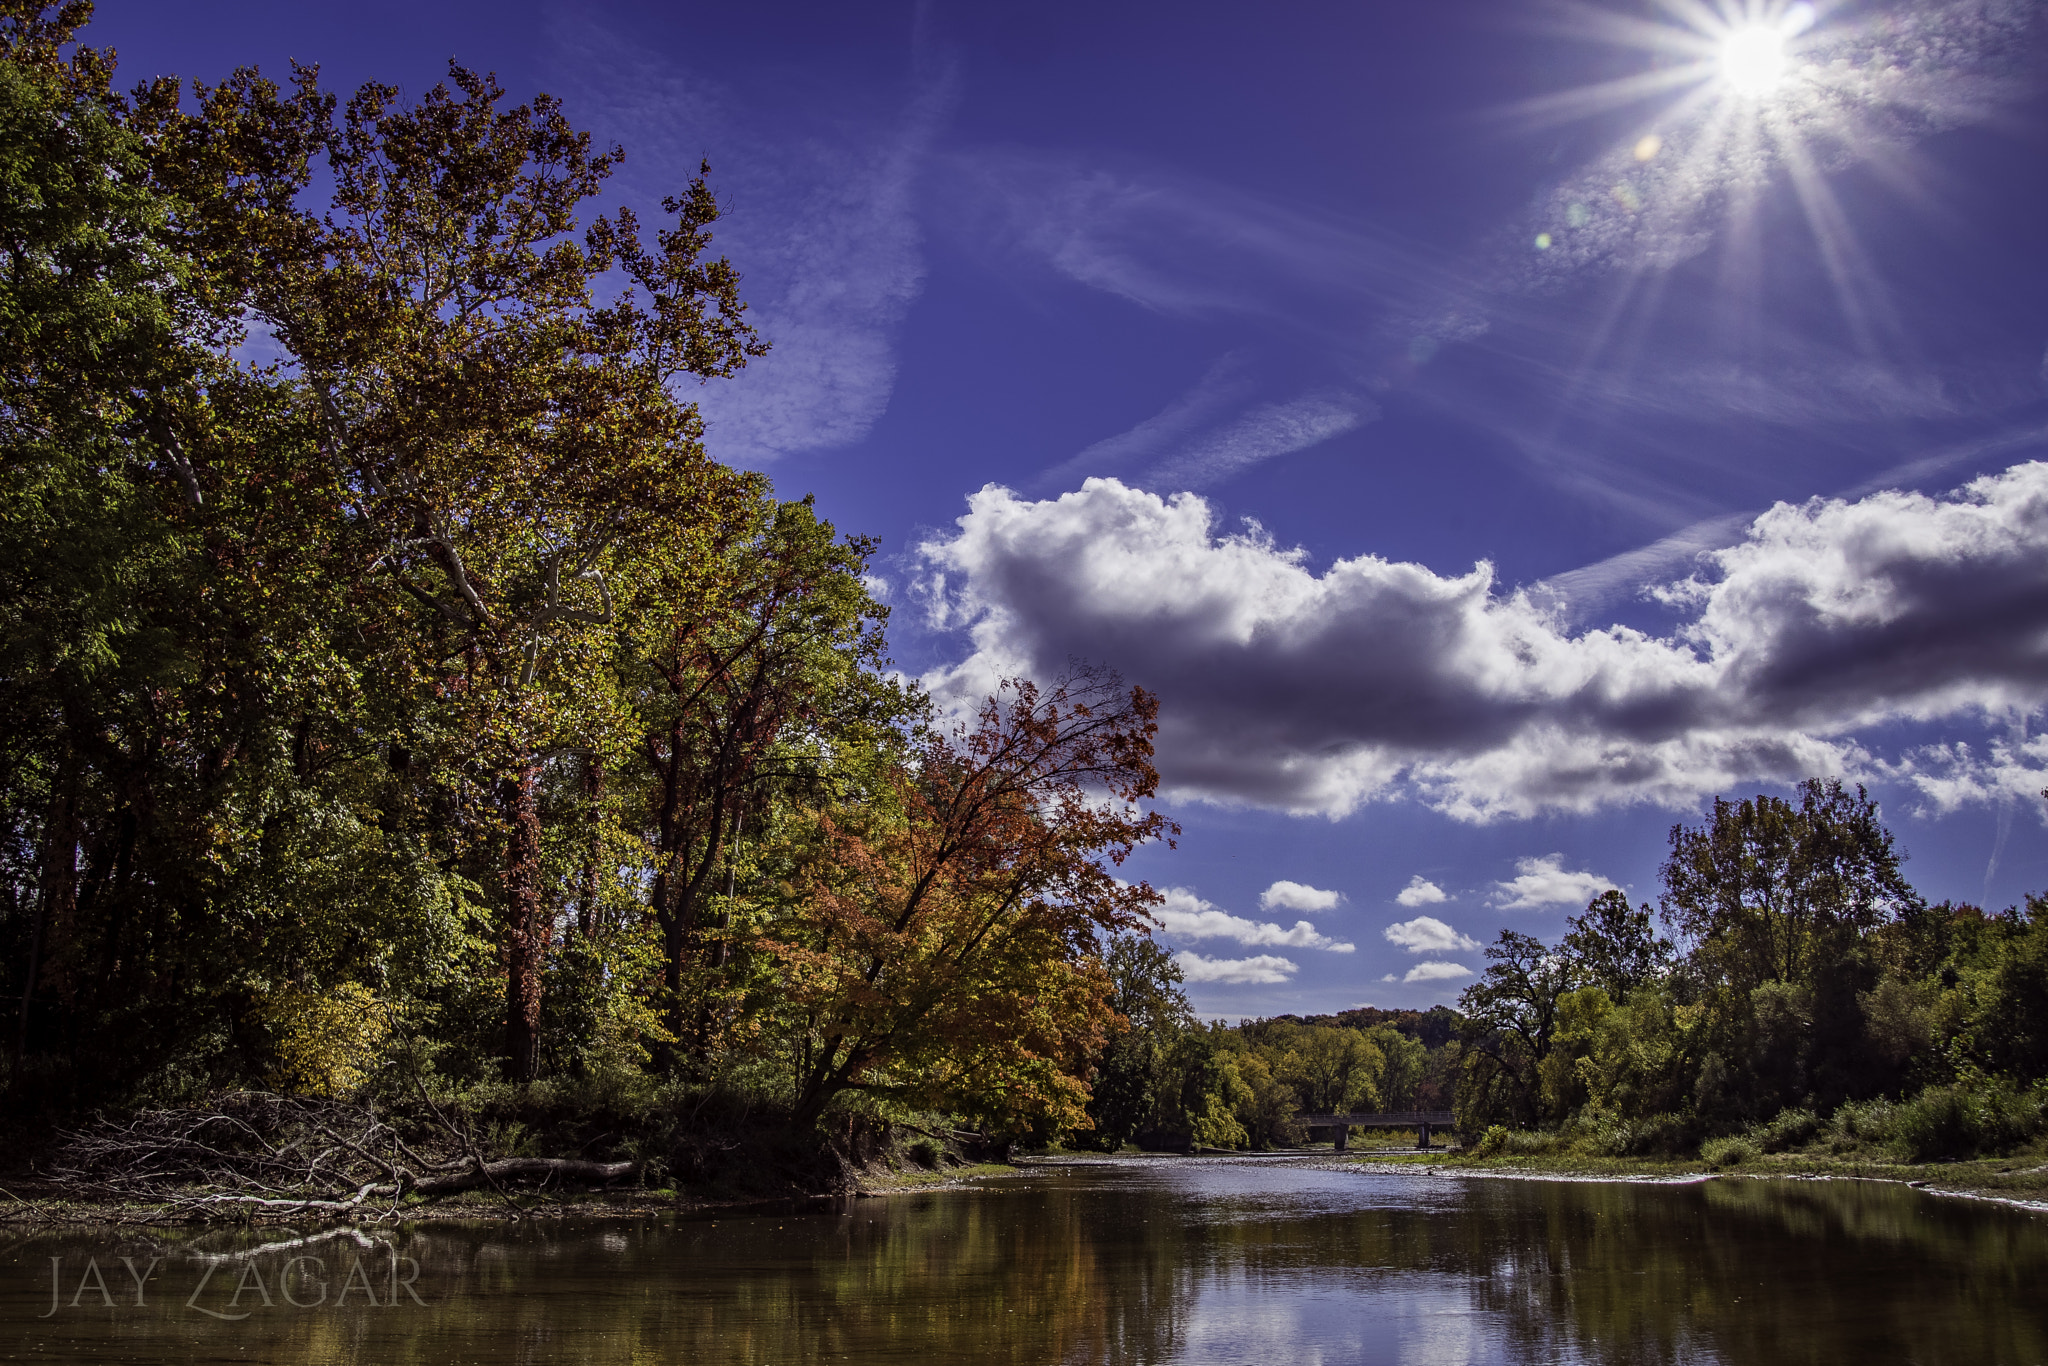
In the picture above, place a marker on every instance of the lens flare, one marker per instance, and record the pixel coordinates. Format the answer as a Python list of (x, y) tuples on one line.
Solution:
[(1753, 61)]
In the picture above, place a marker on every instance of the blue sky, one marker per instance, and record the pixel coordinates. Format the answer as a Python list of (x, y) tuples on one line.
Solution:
[(1493, 428)]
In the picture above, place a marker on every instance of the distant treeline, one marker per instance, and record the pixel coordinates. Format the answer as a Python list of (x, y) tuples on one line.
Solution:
[(1807, 995)]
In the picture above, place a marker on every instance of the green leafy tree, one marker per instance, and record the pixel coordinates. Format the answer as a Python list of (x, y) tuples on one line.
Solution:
[(509, 441), (1511, 1016), (1616, 947), (745, 681), (1770, 892), (1151, 1013)]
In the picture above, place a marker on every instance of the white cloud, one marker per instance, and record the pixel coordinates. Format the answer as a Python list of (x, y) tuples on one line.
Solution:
[(1862, 90), (1263, 433), (1263, 969), (1224, 386), (823, 229), (1310, 691), (1172, 244), (1186, 916), (1297, 896), (1427, 934), (1420, 891), (1544, 882), (1434, 971)]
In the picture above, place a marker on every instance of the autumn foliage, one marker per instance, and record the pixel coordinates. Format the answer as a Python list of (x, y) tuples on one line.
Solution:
[(397, 691), (943, 938)]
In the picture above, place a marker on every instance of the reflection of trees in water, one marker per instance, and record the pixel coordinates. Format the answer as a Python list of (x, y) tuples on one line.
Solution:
[(1101, 1270), (1755, 1271), (969, 1278)]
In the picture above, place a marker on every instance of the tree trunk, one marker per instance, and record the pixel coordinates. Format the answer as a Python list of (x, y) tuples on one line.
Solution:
[(593, 854), (526, 927), (55, 896)]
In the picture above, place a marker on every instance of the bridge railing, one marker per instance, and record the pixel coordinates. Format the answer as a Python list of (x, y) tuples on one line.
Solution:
[(1380, 1119)]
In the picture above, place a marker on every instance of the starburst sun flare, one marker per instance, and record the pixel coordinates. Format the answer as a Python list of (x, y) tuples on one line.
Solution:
[(1753, 60), (1735, 100)]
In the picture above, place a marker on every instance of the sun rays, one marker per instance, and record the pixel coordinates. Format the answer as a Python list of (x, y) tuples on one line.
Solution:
[(1717, 218), (1741, 101)]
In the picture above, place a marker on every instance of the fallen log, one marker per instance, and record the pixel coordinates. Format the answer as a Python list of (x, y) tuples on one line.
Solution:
[(547, 1169)]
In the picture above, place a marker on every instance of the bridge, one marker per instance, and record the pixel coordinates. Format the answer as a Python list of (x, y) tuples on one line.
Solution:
[(1422, 1121)]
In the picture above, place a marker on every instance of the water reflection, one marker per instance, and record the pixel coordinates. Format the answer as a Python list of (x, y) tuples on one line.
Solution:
[(1165, 1262)]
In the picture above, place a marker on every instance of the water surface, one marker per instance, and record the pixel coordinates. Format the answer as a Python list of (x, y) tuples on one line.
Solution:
[(1142, 1261)]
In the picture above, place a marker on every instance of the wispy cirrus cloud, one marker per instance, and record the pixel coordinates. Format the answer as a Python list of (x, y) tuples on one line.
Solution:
[(1226, 386), (1173, 243), (823, 228), (1263, 433)]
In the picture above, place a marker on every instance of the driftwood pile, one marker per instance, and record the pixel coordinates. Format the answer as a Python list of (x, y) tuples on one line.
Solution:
[(254, 1155)]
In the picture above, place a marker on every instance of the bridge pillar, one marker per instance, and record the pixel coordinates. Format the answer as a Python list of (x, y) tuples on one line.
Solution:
[(1422, 1138), (1343, 1136)]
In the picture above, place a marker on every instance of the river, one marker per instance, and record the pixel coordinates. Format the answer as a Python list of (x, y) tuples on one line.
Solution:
[(1139, 1261)]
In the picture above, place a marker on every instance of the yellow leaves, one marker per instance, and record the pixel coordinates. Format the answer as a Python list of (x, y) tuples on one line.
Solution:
[(326, 1042)]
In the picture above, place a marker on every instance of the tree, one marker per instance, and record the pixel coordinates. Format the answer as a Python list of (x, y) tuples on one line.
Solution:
[(941, 935), (1405, 1068), (1615, 947), (1768, 892), (167, 634), (1510, 1018), (742, 679), (1332, 1069), (1149, 1013), (511, 446)]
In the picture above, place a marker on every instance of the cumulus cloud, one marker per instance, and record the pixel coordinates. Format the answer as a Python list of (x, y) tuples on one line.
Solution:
[(1543, 882), (1264, 969), (1297, 896), (1432, 971), (1186, 916), (1427, 934), (1311, 691), (1420, 891)]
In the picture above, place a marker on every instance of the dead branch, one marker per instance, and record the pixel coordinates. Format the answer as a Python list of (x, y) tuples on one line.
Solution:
[(255, 1155)]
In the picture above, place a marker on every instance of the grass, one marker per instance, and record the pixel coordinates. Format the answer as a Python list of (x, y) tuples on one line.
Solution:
[(2023, 1176), (912, 1179)]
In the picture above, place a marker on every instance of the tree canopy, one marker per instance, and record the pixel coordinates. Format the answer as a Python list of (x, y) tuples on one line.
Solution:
[(395, 681)]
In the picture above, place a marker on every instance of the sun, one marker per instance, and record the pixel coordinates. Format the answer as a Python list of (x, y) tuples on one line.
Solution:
[(1753, 60)]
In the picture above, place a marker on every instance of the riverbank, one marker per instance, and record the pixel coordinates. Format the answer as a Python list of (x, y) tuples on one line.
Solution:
[(29, 1201), (2011, 1180), (2016, 1180)]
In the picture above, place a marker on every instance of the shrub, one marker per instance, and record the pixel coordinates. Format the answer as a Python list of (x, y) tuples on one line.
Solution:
[(1532, 1143), (927, 1153), (1727, 1152), (1492, 1141), (1791, 1129), (326, 1042), (1867, 1121), (1655, 1134), (1947, 1122)]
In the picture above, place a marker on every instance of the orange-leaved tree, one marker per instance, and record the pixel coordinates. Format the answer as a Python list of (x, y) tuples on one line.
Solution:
[(940, 937)]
